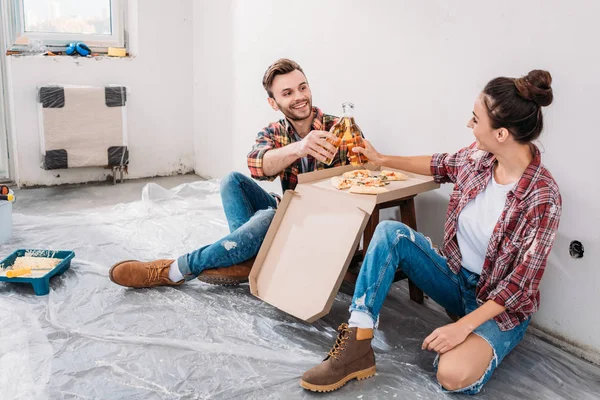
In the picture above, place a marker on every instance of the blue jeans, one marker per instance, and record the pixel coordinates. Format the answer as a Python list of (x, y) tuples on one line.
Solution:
[(395, 245), (249, 211)]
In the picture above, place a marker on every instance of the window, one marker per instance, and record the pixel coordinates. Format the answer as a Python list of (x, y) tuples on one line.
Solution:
[(4, 162), (4, 175), (56, 23)]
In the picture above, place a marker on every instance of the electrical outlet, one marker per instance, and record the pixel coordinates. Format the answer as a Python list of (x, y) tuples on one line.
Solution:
[(576, 249)]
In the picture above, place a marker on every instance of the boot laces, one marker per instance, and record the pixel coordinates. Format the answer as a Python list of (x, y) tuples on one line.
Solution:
[(154, 273), (343, 336)]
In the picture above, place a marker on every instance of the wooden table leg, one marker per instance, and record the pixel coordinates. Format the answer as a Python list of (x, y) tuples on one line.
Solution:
[(370, 229), (367, 236), (409, 217)]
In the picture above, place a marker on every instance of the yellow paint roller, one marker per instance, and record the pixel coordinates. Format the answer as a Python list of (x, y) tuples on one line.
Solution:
[(13, 273)]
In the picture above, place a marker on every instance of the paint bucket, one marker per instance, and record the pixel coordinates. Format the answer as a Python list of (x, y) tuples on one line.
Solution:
[(5, 220)]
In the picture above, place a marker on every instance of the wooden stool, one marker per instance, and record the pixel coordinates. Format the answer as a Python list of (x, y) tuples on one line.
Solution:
[(408, 217)]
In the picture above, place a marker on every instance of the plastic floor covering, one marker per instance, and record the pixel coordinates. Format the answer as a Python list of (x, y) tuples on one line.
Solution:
[(92, 339)]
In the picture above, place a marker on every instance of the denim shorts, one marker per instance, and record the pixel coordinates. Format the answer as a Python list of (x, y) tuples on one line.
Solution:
[(501, 342)]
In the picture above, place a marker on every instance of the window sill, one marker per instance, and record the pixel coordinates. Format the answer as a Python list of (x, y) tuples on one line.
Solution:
[(96, 56)]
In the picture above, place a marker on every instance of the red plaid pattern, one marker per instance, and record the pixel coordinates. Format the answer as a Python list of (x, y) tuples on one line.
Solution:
[(281, 133), (522, 239)]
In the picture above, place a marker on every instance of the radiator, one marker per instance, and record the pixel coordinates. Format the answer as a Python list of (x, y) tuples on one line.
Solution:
[(83, 126)]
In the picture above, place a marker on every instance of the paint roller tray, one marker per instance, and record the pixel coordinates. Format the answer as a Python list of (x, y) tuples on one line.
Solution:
[(39, 279)]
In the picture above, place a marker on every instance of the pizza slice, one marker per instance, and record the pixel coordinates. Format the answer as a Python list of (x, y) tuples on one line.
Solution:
[(392, 176), (341, 183), (371, 182), (357, 174)]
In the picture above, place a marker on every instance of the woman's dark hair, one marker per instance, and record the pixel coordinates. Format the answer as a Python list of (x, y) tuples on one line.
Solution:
[(516, 103)]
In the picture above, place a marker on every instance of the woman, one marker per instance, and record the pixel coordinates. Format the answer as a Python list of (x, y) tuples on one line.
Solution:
[(500, 226)]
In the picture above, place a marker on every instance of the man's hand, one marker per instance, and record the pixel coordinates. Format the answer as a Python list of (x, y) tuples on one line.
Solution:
[(316, 144), (446, 338), (369, 151)]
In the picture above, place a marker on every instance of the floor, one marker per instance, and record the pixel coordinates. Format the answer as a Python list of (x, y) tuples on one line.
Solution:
[(91, 339)]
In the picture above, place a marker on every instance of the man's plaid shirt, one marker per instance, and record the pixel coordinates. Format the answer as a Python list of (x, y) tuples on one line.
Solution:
[(281, 133), (522, 239)]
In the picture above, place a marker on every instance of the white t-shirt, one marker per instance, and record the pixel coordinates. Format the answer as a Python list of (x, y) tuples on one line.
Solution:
[(477, 221)]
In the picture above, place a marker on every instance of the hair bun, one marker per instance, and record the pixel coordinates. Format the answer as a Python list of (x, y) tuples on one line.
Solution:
[(536, 87)]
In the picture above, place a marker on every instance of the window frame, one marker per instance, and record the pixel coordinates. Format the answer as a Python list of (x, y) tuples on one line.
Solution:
[(18, 39)]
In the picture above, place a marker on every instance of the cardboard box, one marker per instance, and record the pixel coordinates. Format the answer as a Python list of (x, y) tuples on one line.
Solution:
[(312, 239), (395, 190)]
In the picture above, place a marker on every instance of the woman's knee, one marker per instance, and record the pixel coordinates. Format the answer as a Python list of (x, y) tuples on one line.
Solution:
[(393, 233), (455, 377), (391, 229), (463, 366)]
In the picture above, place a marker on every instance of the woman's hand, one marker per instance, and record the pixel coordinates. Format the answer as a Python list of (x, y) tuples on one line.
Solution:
[(446, 338), (369, 151)]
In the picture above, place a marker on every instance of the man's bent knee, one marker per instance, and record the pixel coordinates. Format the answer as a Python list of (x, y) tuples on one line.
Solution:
[(233, 178)]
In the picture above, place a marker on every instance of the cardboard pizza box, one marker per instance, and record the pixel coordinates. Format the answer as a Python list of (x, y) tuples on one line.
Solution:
[(395, 190), (312, 239)]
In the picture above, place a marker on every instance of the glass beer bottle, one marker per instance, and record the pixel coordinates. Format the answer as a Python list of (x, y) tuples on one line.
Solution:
[(347, 130)]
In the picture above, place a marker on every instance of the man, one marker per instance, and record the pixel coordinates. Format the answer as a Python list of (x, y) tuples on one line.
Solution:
[(292, 145)]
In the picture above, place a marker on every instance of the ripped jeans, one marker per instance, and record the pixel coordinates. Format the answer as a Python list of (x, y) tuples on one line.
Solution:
[(249, 211), (395, 245)]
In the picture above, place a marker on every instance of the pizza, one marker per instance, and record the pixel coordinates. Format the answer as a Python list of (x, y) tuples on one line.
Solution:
[(341, 183), (392, 176), (371, 185), (357, 174), (370, 182), (361, 181)]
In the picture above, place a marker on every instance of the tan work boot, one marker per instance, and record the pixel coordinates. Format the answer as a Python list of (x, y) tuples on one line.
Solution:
[(351, 357), (228, 276), (137, 274)]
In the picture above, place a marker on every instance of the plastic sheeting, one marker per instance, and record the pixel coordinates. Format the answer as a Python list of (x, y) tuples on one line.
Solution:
[(92, 339)]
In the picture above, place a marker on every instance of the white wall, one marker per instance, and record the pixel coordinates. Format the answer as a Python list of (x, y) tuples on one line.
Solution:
[(213, 87), (413, 70), (160, 102)]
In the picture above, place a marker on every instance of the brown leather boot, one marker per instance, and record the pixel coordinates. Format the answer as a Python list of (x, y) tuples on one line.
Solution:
[(351, 357), (137, 274), (228, 276)]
